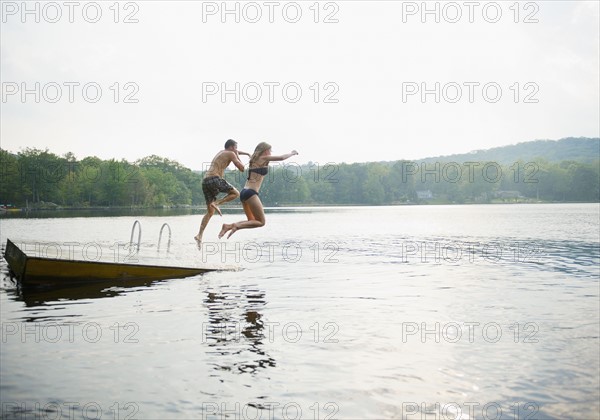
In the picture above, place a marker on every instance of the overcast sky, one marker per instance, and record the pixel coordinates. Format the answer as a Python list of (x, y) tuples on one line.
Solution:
[(342, 81)]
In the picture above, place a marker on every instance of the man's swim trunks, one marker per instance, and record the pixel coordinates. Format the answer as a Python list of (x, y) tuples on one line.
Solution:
[(212, 186)]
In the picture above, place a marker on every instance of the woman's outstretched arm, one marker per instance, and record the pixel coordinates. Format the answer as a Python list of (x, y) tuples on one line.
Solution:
[(280, 157)]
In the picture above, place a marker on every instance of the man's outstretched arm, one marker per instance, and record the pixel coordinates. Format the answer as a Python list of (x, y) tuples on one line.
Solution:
[(237, 162)]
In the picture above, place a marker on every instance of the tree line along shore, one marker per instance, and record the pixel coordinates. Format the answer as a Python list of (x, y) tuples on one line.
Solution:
[(39, 179)]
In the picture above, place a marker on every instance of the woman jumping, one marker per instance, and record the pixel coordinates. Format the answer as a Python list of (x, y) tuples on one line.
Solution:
[(258, 168)]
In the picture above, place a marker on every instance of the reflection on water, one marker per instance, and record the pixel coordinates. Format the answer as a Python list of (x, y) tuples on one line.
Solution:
[(235, 328), (96, 290)]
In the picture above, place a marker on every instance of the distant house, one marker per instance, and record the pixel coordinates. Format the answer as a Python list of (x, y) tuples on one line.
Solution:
[(508, 194), (424, 195)]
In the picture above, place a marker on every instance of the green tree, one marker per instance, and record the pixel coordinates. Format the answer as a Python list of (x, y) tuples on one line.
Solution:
[(583, 185), (373, 185)]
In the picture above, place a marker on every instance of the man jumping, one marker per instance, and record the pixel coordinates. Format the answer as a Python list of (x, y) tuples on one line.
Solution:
[(214, 182)]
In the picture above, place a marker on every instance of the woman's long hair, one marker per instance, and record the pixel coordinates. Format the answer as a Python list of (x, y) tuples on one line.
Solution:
[(260, 149)]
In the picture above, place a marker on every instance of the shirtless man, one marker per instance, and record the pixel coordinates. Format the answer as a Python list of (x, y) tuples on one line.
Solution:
[(214, 183)]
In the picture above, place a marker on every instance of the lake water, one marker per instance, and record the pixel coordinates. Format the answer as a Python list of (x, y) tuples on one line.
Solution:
[(415, 312)]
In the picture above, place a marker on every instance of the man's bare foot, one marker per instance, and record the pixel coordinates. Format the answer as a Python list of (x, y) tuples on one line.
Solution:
[(226, 228), (218, 210), (198, 238)]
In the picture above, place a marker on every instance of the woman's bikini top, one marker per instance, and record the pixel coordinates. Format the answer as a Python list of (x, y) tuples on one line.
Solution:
[(263, 170)]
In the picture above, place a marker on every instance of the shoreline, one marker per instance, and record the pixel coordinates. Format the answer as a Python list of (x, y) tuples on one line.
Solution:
[(21, 211)]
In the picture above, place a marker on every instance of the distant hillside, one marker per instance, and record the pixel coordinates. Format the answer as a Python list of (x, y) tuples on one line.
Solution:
[(581, 149)]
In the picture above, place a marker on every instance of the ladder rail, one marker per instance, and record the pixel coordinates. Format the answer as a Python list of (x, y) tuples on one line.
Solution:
[(160, 237), (137, 222)]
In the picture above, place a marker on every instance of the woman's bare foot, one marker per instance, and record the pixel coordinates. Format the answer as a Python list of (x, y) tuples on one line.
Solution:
[(226, 228), (233, 230)]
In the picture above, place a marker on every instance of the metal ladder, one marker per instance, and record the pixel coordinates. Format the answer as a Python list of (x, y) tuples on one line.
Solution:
[(139, 239)]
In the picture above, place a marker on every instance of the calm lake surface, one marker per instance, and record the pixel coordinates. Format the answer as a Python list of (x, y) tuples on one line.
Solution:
[(451, 312)]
